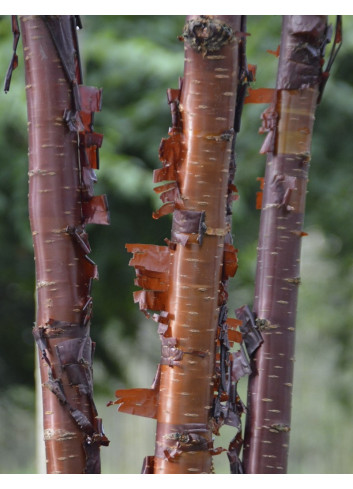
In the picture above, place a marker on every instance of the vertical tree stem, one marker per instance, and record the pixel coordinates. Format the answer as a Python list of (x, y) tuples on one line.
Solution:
[(207, 106), (63, 271), (290, 122)]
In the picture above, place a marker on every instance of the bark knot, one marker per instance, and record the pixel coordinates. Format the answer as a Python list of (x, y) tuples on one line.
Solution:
[(279, 428), (206, 34)]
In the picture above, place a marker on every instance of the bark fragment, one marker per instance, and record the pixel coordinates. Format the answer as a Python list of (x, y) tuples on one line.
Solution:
[(14, 60)]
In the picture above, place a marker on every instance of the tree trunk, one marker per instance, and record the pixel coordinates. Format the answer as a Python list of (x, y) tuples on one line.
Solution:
[(289, 121), (62, 158), (207, 109), (185, 281)]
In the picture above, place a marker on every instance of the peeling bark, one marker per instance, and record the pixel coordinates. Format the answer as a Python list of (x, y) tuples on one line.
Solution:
[(62, 158), (207, 108), (289, 123), (184, 282)]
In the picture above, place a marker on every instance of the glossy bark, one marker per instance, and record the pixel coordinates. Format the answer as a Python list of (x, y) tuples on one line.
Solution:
[(58, 195), (207, 108), (289, 122)]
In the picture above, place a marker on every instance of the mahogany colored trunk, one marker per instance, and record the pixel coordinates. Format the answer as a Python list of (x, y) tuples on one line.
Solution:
[(60, 205), (289, 121)]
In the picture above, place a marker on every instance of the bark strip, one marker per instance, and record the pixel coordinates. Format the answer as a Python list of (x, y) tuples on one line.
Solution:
[(289, 124), (61, 203)]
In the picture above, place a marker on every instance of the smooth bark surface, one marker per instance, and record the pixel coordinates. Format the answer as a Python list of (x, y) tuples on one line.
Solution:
[(185, 280), (60, 205), (207, 107), (289, 122)]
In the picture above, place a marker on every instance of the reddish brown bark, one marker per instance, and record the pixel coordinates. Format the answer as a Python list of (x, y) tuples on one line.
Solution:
[(207, 106), (185, 281), (61, 203), (289, 122)]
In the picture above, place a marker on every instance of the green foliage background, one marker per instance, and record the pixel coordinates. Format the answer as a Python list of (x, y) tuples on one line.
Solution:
[(135, 59)]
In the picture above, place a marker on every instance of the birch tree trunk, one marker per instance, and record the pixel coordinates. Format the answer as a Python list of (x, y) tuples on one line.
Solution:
[(185, 281), (207, 108), (62, 158), (289, 121)]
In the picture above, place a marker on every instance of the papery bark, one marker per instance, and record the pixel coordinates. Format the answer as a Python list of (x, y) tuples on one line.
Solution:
[(60, 205), (289, 123), (207, 108)]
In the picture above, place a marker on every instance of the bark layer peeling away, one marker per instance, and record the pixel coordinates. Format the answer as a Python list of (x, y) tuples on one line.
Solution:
[(63, 156), (288, 123), (184, 283)]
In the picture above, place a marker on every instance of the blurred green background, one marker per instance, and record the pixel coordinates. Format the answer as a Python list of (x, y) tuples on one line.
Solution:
[(135, 59)]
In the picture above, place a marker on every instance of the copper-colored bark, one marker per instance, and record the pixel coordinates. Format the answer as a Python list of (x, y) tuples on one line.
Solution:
[(289, 121), (60, 186), (194, 390), (207, 107)]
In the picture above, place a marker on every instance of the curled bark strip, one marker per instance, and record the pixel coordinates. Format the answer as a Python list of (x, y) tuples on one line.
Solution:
[(173, 96), (230, 261), (89, 178), (269, 125), (233, 335), (230, 367), (152, 265), (234, 455), (152, 257), (337, 43), (90, 156), (62, 32), (80, 236), (75, 357), (259, 96), (247, 74), (187, 222), (151, 300), (163, 319), (275, 53), (90, 142), (168, 172), (241, 366), (170, 153), (70, 357), (95, 210), (250, 333), (149, 280), (170, 150), (163, 188), (259, 194), (171, 195), (167, 208), (91, 99), (140, 402), (14, 60)]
